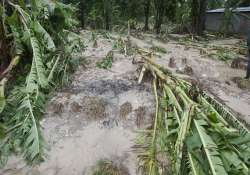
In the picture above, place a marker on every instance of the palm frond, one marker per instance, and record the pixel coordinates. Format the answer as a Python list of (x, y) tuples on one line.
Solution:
[(38, 34), (37, 74), (198, 130), (195, 167), (211, 150), (44, 35)]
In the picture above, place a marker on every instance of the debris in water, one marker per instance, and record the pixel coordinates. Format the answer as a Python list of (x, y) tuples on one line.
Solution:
[(239, 63), (75, 107), (140, 113), (188, 70), (56, 107), (125, 109), (94, 107), (172, 63), (242, 83), (184, 61)]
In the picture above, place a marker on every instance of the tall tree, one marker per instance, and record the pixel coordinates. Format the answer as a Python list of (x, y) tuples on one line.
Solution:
[(198, 8), (82, 8), (106, 13), (146, 12), (160, 9)]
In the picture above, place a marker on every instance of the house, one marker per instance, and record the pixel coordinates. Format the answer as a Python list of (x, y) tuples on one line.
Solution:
[(240, 21)]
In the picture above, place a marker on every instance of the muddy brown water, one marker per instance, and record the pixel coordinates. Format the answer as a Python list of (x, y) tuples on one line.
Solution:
[(97, 116)]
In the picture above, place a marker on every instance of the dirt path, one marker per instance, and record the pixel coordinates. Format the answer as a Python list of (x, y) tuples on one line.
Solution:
[(97, 115)]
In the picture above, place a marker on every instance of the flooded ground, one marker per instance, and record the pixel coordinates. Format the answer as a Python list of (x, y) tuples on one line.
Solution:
[(97, 116), (211, 74)]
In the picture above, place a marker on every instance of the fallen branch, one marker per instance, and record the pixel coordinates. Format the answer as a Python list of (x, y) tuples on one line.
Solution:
[(12, 64), (200, 134)]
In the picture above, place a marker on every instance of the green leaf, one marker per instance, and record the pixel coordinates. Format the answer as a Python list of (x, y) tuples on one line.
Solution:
[(213, 117), (33, 149), (240, 140), (196, 168), (37, 72), (211, 150), (45, 36), (233, 163)]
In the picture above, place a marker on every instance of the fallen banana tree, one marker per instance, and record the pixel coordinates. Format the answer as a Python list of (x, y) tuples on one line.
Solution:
[(192, 133)]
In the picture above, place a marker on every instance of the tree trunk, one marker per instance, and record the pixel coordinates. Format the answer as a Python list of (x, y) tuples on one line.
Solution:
[(195, 7), (146, 12), (4, 48), (159, 6), (202, 17), (82, 12), (199, 8), (107, 7)]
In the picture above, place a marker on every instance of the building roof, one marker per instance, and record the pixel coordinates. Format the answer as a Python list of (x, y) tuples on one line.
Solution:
[(221, 10)]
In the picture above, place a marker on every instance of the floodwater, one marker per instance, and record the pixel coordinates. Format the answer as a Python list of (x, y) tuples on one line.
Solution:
[(97, 116)]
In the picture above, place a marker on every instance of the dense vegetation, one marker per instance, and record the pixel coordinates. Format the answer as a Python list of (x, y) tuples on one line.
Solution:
[(35, 40), (37, 45), (186, 15)]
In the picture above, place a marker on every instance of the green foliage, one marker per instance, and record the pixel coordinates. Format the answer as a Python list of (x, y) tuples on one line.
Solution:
[(45, 46), (159, 49), (201, 135), (106, 167), (223, 54), (120, 45), (106, 63), (101, 14)]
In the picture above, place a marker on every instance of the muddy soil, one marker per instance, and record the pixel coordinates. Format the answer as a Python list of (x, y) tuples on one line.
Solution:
[(93, 119), (96, 117), (212, 75)]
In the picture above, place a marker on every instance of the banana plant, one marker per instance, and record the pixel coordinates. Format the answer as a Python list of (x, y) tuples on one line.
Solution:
[(38, 34), (201, 136)]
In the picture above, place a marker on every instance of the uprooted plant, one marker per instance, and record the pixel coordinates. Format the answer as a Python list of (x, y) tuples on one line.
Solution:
[(39, 58), (198, 133), (106, 63)]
